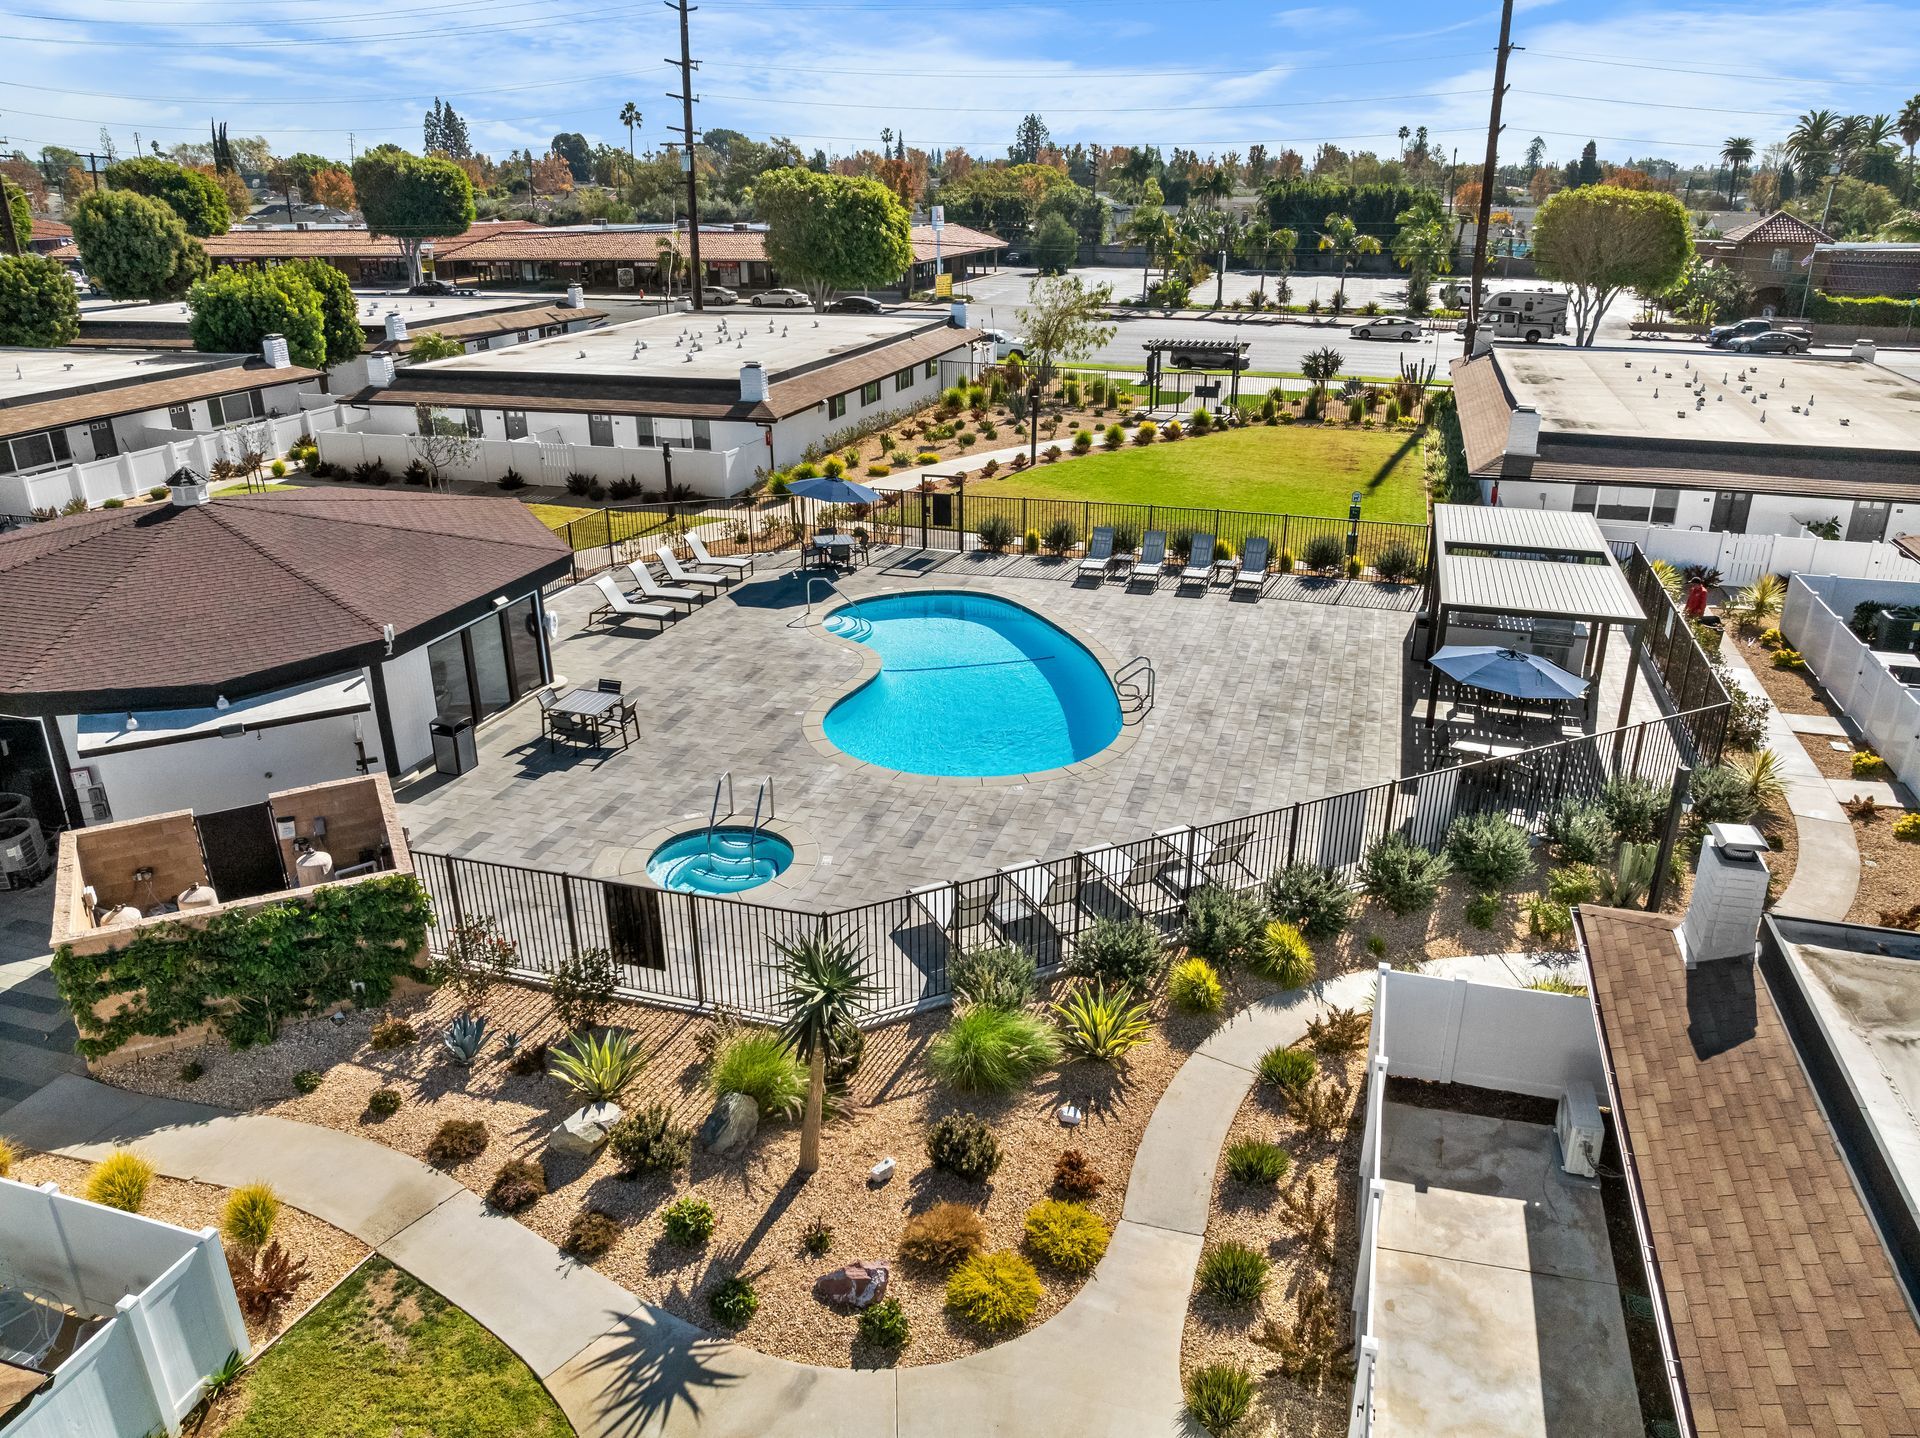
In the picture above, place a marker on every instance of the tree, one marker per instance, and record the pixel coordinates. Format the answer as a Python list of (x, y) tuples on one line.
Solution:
[(235, 307), (135, 248), (1423, 248), (1810, 143), (1909, 124), (38, 305), (832, 232), (572, 147), (630, 117), (433, 346), (1028, 141), (827, 988), (1064, 320), (332, 187), (21, 209), (1600, 240), (1154, 230), (412, 198), (1055, 246), (197, 199), (441, 444), (1736, 150), (339, 309), (1857, 211), (1343, 239), (1589, 169), (1536, 155), (1258, 243), (445, 133), (297, 172)]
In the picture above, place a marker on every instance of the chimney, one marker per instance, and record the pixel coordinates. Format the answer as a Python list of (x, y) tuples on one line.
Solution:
[(379, 370), (189, 488), (753, 383), (576, 298), (1863, 351), (957, 316), (1482, 340), (273, 349), (396, 326), (1523, 433), (1729, 892)]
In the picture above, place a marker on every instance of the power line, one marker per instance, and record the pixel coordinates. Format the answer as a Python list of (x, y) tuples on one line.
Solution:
[(1082, 109)]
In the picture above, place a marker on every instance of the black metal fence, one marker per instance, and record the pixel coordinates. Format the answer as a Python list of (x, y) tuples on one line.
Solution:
[(1693, 690), (704, 953)]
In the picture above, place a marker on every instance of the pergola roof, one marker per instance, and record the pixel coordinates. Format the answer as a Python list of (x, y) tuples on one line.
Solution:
[(1531, 563), (1165, 346)]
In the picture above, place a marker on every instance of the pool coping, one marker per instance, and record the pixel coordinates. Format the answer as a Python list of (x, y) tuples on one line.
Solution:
[(814, 723), (628, 864)]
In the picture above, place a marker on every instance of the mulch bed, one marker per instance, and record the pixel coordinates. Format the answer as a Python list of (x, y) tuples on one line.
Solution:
[(1889, 873), (1791, 690)]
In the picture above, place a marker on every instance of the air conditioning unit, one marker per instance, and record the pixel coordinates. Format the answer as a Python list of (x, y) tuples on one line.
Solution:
[(1578, 1125), (24, 859), (1897, 630)]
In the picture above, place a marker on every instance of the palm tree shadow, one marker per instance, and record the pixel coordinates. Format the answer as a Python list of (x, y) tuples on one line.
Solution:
[(649, 1363)]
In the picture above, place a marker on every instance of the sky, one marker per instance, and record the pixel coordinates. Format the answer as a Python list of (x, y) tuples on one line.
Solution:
[(1211, 75)]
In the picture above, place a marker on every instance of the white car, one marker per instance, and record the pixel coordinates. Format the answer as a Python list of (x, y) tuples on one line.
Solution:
[(1006, 346), (1391, 328), (785, 299)]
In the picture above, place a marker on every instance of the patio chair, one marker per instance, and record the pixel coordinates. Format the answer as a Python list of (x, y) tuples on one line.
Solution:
[(1151, 559), (1099, 551), (952, 911), (562, 726), (1253, 566), (1022, 893), (733, 565), (651, 588), (1199, 567), (1124, 873), (617, 606), (684, 577)]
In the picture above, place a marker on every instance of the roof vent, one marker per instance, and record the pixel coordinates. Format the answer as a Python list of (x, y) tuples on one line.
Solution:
[(188, 487), (1729, 892), (576, 297), (753, 382)]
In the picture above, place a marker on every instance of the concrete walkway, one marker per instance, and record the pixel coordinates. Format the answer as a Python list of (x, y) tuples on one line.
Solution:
[(1106, 1366)]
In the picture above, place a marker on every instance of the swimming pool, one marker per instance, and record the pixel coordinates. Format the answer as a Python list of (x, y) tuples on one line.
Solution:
[(969, 686), (729, 859)]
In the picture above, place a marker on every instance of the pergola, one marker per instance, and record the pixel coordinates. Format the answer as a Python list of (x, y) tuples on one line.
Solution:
[(1531, 573), (1158, 352)]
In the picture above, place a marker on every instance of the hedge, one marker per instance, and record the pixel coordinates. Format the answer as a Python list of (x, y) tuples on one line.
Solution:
[(246, 969), (1870, 310)]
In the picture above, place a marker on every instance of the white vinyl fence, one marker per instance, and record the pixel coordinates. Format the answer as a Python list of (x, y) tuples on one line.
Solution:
[(174, 1318), (1815, 620), (134, 472), (710, 473), (1743, 558)]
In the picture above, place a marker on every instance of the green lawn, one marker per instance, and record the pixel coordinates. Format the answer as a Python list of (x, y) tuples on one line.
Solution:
[(384, 1356), (1278, 469)]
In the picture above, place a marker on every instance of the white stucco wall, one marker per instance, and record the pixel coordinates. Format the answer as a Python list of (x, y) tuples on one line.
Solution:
[(410, 705), (1768, 514)]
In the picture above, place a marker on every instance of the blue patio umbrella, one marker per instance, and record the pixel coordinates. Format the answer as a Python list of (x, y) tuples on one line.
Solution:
[(1508, 671), (834, 491)]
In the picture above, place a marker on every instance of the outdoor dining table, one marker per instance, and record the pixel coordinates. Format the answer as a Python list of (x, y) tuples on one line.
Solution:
[(592, 707), (833, 547), (1486, 749)]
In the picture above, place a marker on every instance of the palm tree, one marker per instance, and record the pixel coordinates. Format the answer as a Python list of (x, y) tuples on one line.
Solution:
[(1155, 232), (1737, 150), (1258, 243), (828, 984), (1810, 142), (1848, 136), (1216, 185), (1909, 123), (630, 117), (1344, 239)]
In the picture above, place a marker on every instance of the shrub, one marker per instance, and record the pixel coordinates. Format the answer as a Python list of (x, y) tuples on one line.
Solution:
[(1118, 953), (1096, 1024), (1115, 436), (1771, 639), (1396, 562), (456, 1141), (996, 1291), (688, 1221), (1316, 899), (1401, 874), (581, 989), (1231, 1272), (1030, 542), (1069, 1236), (599, 1070), (120, 1180), (1547, 918), (817, 1241), (992, 1050), (390, 1033), (1636, 808), (520, 1183), (733, 1303), (624, 488), (648, 1141), (1338, 1031), (996, 532), (1907, 827), (1867, 765), (1200, 421), (1172, 432), (158, 491), (879, 471), (247, 1221), (1257, 1163), (944, 1234), (1789, 659), (1082, 441), (264, 1280), (306, 1080), (1075, 1177), (529, 1059), (884, 1325), (758, 1063), (927, 456), (115, 503), (513, 479), (1288, 1069), (591, 1234), (1146, 432), (963, 1145), (1059, 536), (1582, 831), (1126, 538), (1324, 552), (1483, 910), (415, 473), (1721, 796), (1219, 1396), (1222, 925), (1283, 956), (1195, 987), (1000, 976), (384, 1102), (1490, 850), (192, 1071)]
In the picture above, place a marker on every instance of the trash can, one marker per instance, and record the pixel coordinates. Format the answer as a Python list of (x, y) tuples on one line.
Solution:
[(453, 751)]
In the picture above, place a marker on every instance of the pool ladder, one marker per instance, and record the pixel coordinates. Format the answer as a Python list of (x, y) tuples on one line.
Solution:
[(762, 810), (1134, 683)]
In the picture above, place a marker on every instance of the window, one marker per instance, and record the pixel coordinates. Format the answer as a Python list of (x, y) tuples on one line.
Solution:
[(1666, 506), (702, 434), (474, 428), (516, 422), (37, 451), (644, 427), (903, 380), (496, 659), (236, 408), (1782, 260), (600, 430), (930, 369), (836, 406), (870, 393), (1585, 498)]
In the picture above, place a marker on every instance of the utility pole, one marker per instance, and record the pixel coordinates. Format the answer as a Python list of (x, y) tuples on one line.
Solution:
[(1488, 175), (93, 169), (352, 158), (697, 276)]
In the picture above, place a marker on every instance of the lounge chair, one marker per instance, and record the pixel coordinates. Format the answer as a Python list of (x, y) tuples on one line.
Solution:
[(1199, 568), (1022, 894), (1253, 566), (684, 577), (1126, 872), (651, 588), (1197, 859), (1151, 559), (618, 606), (734, 565), (1099, 551), (952, 911)]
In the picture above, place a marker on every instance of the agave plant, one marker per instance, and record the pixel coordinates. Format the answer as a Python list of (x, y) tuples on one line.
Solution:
[(1098, 1025), (464, 1036), (599, 1069), (1764, 784), (1759, 603), (1670, 580)]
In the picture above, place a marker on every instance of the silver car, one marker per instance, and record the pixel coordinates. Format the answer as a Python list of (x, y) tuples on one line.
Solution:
[(1393, 327), (784, 299), (718, 295)]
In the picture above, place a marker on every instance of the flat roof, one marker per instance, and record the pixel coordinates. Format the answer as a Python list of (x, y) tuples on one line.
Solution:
[(1533, 562), (29, 375), (419, 311)]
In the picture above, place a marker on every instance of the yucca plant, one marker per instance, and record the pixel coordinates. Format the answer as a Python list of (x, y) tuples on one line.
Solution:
[(464, 1036), (1098, 1025), (599, 1069), (828, 985), (1764, 785), (1671, 580), (250, 1214), (1760, 602)]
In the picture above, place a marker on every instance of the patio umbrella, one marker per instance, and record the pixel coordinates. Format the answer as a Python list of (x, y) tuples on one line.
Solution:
[(1508, 671), (834, 491)]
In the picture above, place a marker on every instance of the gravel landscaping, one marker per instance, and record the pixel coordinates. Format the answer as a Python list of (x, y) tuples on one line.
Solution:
[(1791, 690), (1889, 873)]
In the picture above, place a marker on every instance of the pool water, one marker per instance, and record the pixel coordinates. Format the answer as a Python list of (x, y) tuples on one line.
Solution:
[(728, 860), (969, 686)]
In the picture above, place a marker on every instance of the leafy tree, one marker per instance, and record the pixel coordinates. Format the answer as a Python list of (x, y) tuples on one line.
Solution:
[(412, 198), (1065, 320), (1600, 240), (197, 199), (1308, 206), (298, 171), (832, 232), (828, 985), (1078, 206), (1859, 209), (1055, 246), (1536, 155), (21, 208), (574, 149), (135, 248), (332, 187), (1029, 139), (236, 306), (38, 305), (1343, 239), (339, 310), (1005, 199)]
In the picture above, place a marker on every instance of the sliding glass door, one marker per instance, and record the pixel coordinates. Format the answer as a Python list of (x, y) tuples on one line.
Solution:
[(489, 664)]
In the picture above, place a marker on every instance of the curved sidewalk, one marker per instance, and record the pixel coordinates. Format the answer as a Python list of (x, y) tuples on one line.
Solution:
[(1108, 1364)]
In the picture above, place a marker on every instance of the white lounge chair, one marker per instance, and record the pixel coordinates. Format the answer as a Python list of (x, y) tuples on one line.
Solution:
[(684, 577), (952, 911), (1099, 551), (618, 606), (1125, 872), (735, 564), (1151, 559), (651, 588), (1210, 855), (1199, 568), (1252, 572)]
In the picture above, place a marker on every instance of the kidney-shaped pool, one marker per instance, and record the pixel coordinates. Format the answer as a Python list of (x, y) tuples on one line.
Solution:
[(969, 686)]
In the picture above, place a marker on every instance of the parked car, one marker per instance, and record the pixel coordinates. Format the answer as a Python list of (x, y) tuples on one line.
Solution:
[(1393, 327), (786, 299), (718, 295), (1723, 337), (1773, 342), (1006, 346), (430, 287), (1208, 359), (856, 305)]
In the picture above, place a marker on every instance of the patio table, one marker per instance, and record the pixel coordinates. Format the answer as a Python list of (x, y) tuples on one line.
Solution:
[(831, 547), (1486, 749), (590, 706)]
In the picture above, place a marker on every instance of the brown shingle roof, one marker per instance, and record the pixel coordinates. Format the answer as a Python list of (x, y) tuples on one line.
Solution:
[(154, 394), (1787, 1315), (716, 246), (1778, 228), (955, 240), (193, 600), (344, 244), (1485, 407), (45, 229)]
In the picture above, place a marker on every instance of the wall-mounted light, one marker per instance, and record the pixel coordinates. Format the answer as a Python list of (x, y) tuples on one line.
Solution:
[(220, 701), (386, 633), (499, 601)]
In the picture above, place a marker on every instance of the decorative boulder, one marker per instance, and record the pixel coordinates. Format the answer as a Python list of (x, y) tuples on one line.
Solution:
[(731, 1124), (857, 1285), (583, 1133)]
